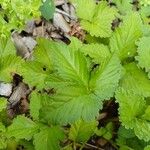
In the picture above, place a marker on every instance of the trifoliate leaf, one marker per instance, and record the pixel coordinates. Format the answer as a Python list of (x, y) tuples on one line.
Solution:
[(130, 107), (81, 131), (124, 6), (105, 79), (96, 19), (47, 9), (98, 52), (144, 54), (35, 105), (9, 65), (22, 128), (135, 80), (48, 139), (3, 104), (124, 38)]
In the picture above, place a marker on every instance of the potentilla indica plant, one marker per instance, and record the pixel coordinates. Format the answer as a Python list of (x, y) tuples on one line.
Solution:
[(71, 83)]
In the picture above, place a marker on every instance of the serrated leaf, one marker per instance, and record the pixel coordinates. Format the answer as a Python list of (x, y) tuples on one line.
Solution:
[(81, 131), (130, 107), (106, 78), (123, 39), (99, 18), (6, 47), (70, 104), (9, 65), (42, 53), (47, 9), (135, 80), (85, 9), (124, 6), (22, 128), (70, 64), (98, 52), (48, 139), (142, 129), (34, 74), (35, 105), (144, 54)]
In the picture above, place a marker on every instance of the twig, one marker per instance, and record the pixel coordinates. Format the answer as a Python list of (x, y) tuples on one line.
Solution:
[(64, 13), (92, 146)]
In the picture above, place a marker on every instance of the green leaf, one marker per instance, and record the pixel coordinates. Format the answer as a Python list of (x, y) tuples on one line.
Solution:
[(34, 74), (22, 128), (47, 9), (42, 53), (124, 6), (9, 65), (86, 9), (70, 104), (98, 52), (147, 147), (35, 105), (106, 131), (105, 79), (70, 64), (81, 131), (123, 39), (3, 104), (48, 139), (144, 54), (142, 129), (135, 80), (96, 19), (6, 47), (130, 107)]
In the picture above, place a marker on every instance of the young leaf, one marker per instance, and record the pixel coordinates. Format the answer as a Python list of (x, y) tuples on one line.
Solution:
[(144, 54), (81, 131), (123, 39), (22, 128), (35, 105), (48, 139), (96, 19)]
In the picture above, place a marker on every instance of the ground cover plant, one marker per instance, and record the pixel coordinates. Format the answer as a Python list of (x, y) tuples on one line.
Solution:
[(84, 93)]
